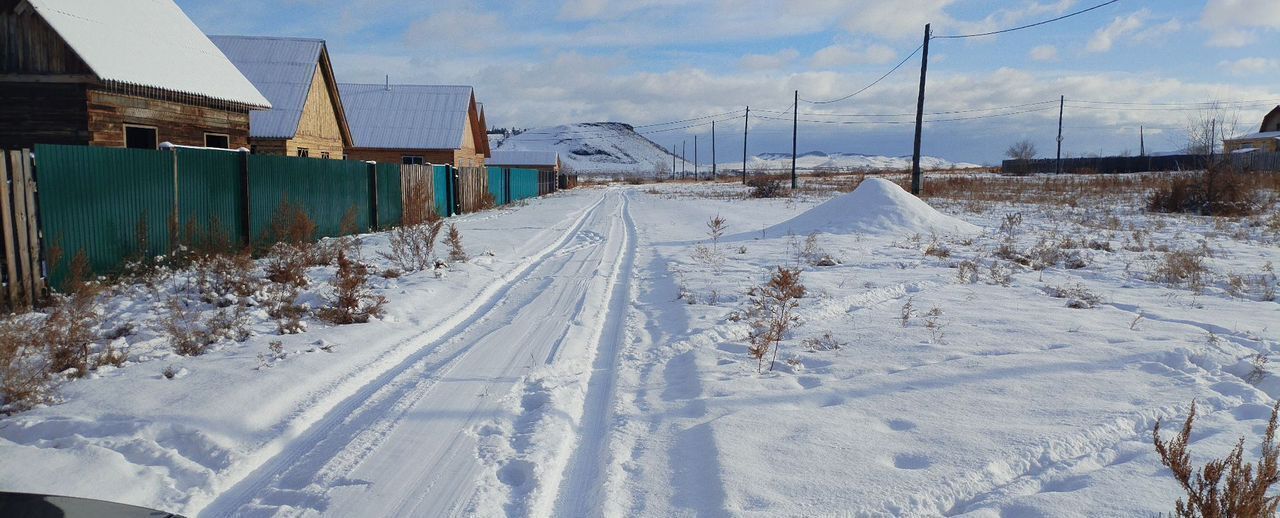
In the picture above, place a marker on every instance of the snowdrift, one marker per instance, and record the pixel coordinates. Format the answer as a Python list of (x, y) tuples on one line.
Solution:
[(877, 206)]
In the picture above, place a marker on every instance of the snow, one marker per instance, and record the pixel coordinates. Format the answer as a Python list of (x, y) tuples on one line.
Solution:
[(877, 206), (171, 54), (596, 365), (596, 148), (817, 160)]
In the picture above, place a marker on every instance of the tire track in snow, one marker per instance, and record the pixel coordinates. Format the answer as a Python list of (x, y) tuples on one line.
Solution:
[(380, 392)]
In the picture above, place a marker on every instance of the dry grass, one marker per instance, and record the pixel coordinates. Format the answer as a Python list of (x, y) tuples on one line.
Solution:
[(412, 245), (1182, 268), (1220, 191), (24, 373), (453, 238), (1244, 491)]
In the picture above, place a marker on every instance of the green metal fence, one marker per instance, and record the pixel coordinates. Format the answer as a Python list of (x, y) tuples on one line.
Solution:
[(112, 204), (524, 184)]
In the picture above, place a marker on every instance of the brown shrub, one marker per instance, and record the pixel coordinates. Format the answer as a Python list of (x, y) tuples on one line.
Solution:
[(287, 263), (224, 279), (352, 303), (291, 224), (1242, 494), (412, 245), (1182, 267), (24, 375), (454, 240), (773, 307), (68, 331), (766, 187), (1220, 191)]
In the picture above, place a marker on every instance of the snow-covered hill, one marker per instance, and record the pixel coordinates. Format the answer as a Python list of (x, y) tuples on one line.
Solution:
[(616, 148), (846, 161), (594, 148)]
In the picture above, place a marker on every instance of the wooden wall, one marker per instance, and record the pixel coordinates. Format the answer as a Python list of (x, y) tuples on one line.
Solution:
[(45, 113), (394, 156), (28, 46), (182, 124)]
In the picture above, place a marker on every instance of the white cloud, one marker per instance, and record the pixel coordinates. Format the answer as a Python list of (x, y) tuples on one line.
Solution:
[(1045, 53), (773, 61), (836, 56), (1249, 66), (464, 29), (1235, 23), (1121, 26)]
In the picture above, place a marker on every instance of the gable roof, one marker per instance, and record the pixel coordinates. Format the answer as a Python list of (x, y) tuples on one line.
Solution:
[(1273, 115), (282, 69), (407, 116), (147, 43), (510, 158), (1257, 136)]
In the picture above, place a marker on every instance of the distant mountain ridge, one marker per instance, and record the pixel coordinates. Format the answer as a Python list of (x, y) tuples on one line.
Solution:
[(616, 148)]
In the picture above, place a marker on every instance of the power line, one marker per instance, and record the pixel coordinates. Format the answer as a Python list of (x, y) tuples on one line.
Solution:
[(1027, 26), (952, 119), (873, 83), (912, 114), (1203, 104)]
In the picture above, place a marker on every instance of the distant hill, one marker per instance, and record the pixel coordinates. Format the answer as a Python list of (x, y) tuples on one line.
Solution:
[(616, 148), (593, 148)]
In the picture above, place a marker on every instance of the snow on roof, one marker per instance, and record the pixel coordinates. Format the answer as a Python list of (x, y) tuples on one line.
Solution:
[(406, 116), (510, 158), (282, 69), (148, 43), (1258, 136)]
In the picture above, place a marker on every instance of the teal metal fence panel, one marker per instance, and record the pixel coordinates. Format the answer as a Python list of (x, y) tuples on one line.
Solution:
[(92, 200), (524, 184), (210, 196), (390, 195), (442, 180), (326, 189), (498, 186)]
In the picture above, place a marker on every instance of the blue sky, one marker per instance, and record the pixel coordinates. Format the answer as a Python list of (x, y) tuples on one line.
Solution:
[(539, 63)]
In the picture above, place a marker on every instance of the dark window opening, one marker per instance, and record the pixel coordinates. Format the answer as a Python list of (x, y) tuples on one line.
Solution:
[(324, 155), (217, 141), (139, 137), (304, 152), (411, 160)]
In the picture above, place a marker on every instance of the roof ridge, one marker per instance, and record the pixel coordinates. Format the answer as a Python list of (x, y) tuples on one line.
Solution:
[(281, 38)]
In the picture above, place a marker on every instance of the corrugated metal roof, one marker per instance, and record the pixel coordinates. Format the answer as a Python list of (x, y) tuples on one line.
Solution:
[(282, 69), (1256, 136), (406, 116), (147, 43), (510, 158)]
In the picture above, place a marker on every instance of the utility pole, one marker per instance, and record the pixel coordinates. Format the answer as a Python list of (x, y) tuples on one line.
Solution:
[(684, 161), (1062, 101), (1142, 141), (917, 180), (746, 121), (673, 160), (795, 124), (695, 158), (713, 150)]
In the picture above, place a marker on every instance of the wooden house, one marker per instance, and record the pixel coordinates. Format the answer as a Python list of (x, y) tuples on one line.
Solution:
[(415, 124), (116, 73), (306, 116), (1266, 140)]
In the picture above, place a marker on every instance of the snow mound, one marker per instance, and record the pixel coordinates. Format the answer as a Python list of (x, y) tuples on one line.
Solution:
[(877, 206)]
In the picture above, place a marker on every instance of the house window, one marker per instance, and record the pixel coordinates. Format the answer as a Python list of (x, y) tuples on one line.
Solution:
[(139, 137), (217, 140), (411, 160), (304, 152), (324, 155)]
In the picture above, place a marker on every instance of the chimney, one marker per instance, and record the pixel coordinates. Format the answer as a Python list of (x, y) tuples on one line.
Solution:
[(388, 82)]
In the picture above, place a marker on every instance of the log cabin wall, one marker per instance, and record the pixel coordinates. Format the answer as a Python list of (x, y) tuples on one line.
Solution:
[(395, 156), (179, 123), (44, 113)]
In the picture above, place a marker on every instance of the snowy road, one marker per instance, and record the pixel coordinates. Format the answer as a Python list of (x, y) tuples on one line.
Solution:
[(405, 446)]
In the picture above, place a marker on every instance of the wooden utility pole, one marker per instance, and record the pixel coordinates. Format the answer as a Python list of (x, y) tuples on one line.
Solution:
[(746, 121), (795, 124), (1142, 141), (695, 158), (1062, 101), (917, 179), (673, 160), (684, 160), (713, 150)]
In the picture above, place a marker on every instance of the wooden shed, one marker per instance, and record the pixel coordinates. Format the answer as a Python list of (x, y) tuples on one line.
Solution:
[(306, 116), (1266, 140), (415, 124), (116, 73)]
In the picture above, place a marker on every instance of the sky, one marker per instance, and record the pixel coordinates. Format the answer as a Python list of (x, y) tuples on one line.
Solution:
[(651, 62)]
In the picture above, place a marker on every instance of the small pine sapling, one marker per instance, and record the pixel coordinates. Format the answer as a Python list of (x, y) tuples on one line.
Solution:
[(352, 303), (454, 240)]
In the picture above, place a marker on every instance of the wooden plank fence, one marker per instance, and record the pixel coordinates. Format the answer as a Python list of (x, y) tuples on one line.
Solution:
[(418, 185), (24, 276), (473, 188)]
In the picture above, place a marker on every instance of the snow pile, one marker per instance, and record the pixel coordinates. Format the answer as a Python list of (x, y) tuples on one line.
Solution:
[(877, 206)]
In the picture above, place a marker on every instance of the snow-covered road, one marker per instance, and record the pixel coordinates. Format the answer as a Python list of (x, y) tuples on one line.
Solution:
[(405, 446)]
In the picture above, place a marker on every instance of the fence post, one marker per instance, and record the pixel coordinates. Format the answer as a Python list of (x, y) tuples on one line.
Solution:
[(373, 194), (246, 227)]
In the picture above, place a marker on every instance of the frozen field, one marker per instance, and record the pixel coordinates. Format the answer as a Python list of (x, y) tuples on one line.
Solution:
[(987, 359)]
